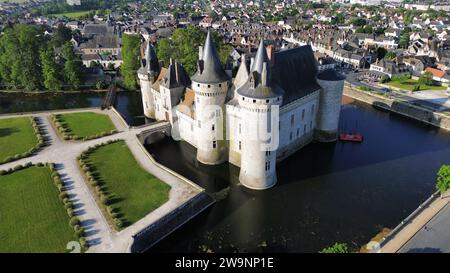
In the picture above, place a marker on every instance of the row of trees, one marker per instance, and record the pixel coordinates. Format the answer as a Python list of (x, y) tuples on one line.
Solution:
[(28, 59)]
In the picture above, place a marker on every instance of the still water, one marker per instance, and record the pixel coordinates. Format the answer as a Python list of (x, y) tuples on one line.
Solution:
[(326, 193), (129, 104)]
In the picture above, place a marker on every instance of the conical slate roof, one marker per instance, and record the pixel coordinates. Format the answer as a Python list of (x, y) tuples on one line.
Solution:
[(259, 84), (210, 69), (151, 60)]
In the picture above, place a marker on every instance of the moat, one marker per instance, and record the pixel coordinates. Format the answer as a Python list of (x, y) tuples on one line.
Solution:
[(326, 193)]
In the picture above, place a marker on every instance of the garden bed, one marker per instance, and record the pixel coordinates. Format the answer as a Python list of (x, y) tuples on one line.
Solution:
[(124, 191), (36, 212), (83, 125), (20, 137)]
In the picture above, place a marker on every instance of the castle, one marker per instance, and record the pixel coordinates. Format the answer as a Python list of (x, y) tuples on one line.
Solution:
[(272, 108)]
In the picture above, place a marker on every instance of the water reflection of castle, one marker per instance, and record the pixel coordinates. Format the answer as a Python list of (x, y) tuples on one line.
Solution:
[(282, 88)]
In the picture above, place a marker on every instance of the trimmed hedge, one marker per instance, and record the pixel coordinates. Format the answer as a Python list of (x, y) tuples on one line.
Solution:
[(103, 199)]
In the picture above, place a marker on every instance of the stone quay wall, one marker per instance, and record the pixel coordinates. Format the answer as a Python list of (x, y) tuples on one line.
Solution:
[(404, 108)]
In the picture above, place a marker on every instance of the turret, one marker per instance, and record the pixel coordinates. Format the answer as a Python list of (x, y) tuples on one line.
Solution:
[(327, 124), (148, 73), (259, 130), (210, 84)]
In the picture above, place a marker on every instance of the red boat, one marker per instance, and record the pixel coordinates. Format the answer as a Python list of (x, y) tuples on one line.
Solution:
[(353, 137)]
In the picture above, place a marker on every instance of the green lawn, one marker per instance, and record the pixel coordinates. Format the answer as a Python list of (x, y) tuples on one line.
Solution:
[(16, 136), (33, 219), (135, 191), (410, 83), (72, 15), (87, 124)]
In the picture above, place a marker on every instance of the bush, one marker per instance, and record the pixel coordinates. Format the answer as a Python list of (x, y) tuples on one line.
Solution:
[(118, 223), (83, 242), (104, 199), (70, 212), (28, 164), (68, 205), (80, 232), (74, 221), (18, 167), (3, 172), (60, 188), (63, 195)]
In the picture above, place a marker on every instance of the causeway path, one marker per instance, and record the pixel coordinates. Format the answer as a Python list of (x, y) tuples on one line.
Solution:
[(100, 236)]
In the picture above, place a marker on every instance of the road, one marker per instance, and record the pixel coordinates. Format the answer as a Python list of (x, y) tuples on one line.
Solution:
[(433, 104), (433, 237)]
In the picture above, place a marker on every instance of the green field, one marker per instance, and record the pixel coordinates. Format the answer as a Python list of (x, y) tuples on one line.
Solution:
[(410, 83), (87, 124), (72, 15), (16, 136), (135, 191), (33, 219)]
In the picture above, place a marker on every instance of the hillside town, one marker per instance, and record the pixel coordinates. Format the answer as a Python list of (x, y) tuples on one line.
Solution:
[(379, 40)]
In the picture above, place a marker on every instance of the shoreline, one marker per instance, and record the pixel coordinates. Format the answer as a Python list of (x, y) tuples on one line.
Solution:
[(407, 109)]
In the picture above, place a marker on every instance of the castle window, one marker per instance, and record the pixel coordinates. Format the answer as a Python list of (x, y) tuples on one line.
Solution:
[(218, 113), (267, 165), (213, 127), (209, 86), (298, 131), (240, 128), (240, 145), (290, 136), (292, 119), (267, 101), (214, 144), (312, 109), (304, 129), (220, 85), (267, 153), (199, 124), (198, 85), (254, 101), (243, 98), (303, 114)]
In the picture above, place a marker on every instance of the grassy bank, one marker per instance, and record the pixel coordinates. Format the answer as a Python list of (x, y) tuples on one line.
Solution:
[(33, 213), (83, 125), (409, 84), (125, 191)]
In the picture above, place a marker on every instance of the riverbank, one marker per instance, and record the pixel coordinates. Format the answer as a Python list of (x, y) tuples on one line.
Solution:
[(396, 105)]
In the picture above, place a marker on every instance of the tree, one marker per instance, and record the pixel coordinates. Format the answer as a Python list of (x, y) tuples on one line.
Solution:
[(50, 70), (20, 57), (336, 248), (131, 45), (426, 78), (184, 47), (72, 66), (390, 55), (61, 35), (381, 52), (443, 179)]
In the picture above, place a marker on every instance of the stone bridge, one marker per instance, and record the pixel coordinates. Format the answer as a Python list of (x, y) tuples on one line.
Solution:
[(153, 132)]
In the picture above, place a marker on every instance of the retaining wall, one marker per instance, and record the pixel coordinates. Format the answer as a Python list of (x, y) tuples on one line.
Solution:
[(403, 108)]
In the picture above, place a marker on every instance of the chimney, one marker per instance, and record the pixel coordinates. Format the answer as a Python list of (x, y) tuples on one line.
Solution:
[(264, 79), (200, 52), (177, 75), (271, 54)]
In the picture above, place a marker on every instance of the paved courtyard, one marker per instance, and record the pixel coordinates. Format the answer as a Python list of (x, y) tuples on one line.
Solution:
[(63, 153)]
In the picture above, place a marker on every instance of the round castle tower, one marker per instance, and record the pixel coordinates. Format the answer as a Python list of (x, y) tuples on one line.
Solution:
[(259, 141), (148, 73), (332, 84), (210, 84)]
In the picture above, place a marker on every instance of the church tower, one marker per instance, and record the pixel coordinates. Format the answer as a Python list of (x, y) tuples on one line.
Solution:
[(210, 84), (148, 73), (259, 128)]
